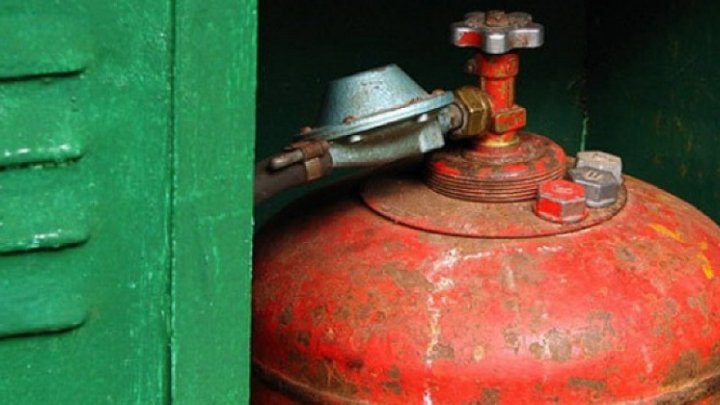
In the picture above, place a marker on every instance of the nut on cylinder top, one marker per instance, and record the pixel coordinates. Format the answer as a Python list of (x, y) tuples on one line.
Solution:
[(561, 201), (601, 161), (601, 187)]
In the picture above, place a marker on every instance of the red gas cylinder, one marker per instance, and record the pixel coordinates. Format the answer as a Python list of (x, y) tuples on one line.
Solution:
[(456, 281)]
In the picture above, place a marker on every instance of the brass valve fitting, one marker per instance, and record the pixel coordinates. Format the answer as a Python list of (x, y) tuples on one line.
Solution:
[(475, 111)]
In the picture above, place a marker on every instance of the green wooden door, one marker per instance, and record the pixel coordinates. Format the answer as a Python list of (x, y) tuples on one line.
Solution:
[(126, 133)]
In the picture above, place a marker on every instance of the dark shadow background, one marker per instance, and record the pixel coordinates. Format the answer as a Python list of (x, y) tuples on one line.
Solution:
[(654, 92), (645, 74)]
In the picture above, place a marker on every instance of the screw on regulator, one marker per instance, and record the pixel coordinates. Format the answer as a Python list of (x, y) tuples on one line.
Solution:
[(369, 118)]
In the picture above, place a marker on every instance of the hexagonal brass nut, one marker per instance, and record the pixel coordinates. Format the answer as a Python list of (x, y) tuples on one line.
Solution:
[(561, 201), (476, 107)]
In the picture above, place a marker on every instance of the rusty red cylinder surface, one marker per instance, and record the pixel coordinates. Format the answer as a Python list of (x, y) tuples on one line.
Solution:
[(497, 80), (356, 303), (497, 77)]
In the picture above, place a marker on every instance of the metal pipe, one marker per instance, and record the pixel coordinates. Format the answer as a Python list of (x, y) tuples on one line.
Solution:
[(269, 182)]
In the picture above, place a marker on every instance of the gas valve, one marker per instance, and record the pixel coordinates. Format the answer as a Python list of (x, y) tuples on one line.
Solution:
[(490, 109), (500, 162)]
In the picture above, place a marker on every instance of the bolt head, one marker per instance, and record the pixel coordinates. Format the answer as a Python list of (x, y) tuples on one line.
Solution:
[(601, 187), (601, 161), (561, 201)]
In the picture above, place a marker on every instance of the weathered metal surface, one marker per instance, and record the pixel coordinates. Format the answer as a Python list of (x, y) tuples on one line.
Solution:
[(401, 197), (497, 65), (475, 109), (497, 32), (291, 78), (601, 161), (361, 308), (601, 187), (492, 174), (497, 79), (371, 99), (561, 201), (501, 165)]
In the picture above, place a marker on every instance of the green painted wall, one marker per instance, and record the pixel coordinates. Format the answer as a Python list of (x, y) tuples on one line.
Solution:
[(126, 133), (655, 91), (214, 119)]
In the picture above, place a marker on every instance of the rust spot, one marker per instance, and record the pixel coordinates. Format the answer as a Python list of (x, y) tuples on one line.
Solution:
[(595, 385), (303, 337), (512, 305), (595, 339), (559, 346), (686, 368), (393, 386), (490, 396), (343, 313), (593, 342), (393, 373), (537, 350), (349, 119), (699, 303), (525, 270), (364, 311), (441, 351), (318, 314), (538, 313), (408, 280), (512, 339), (355, 364), (664, 316), (286, 316), (624, 255)]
